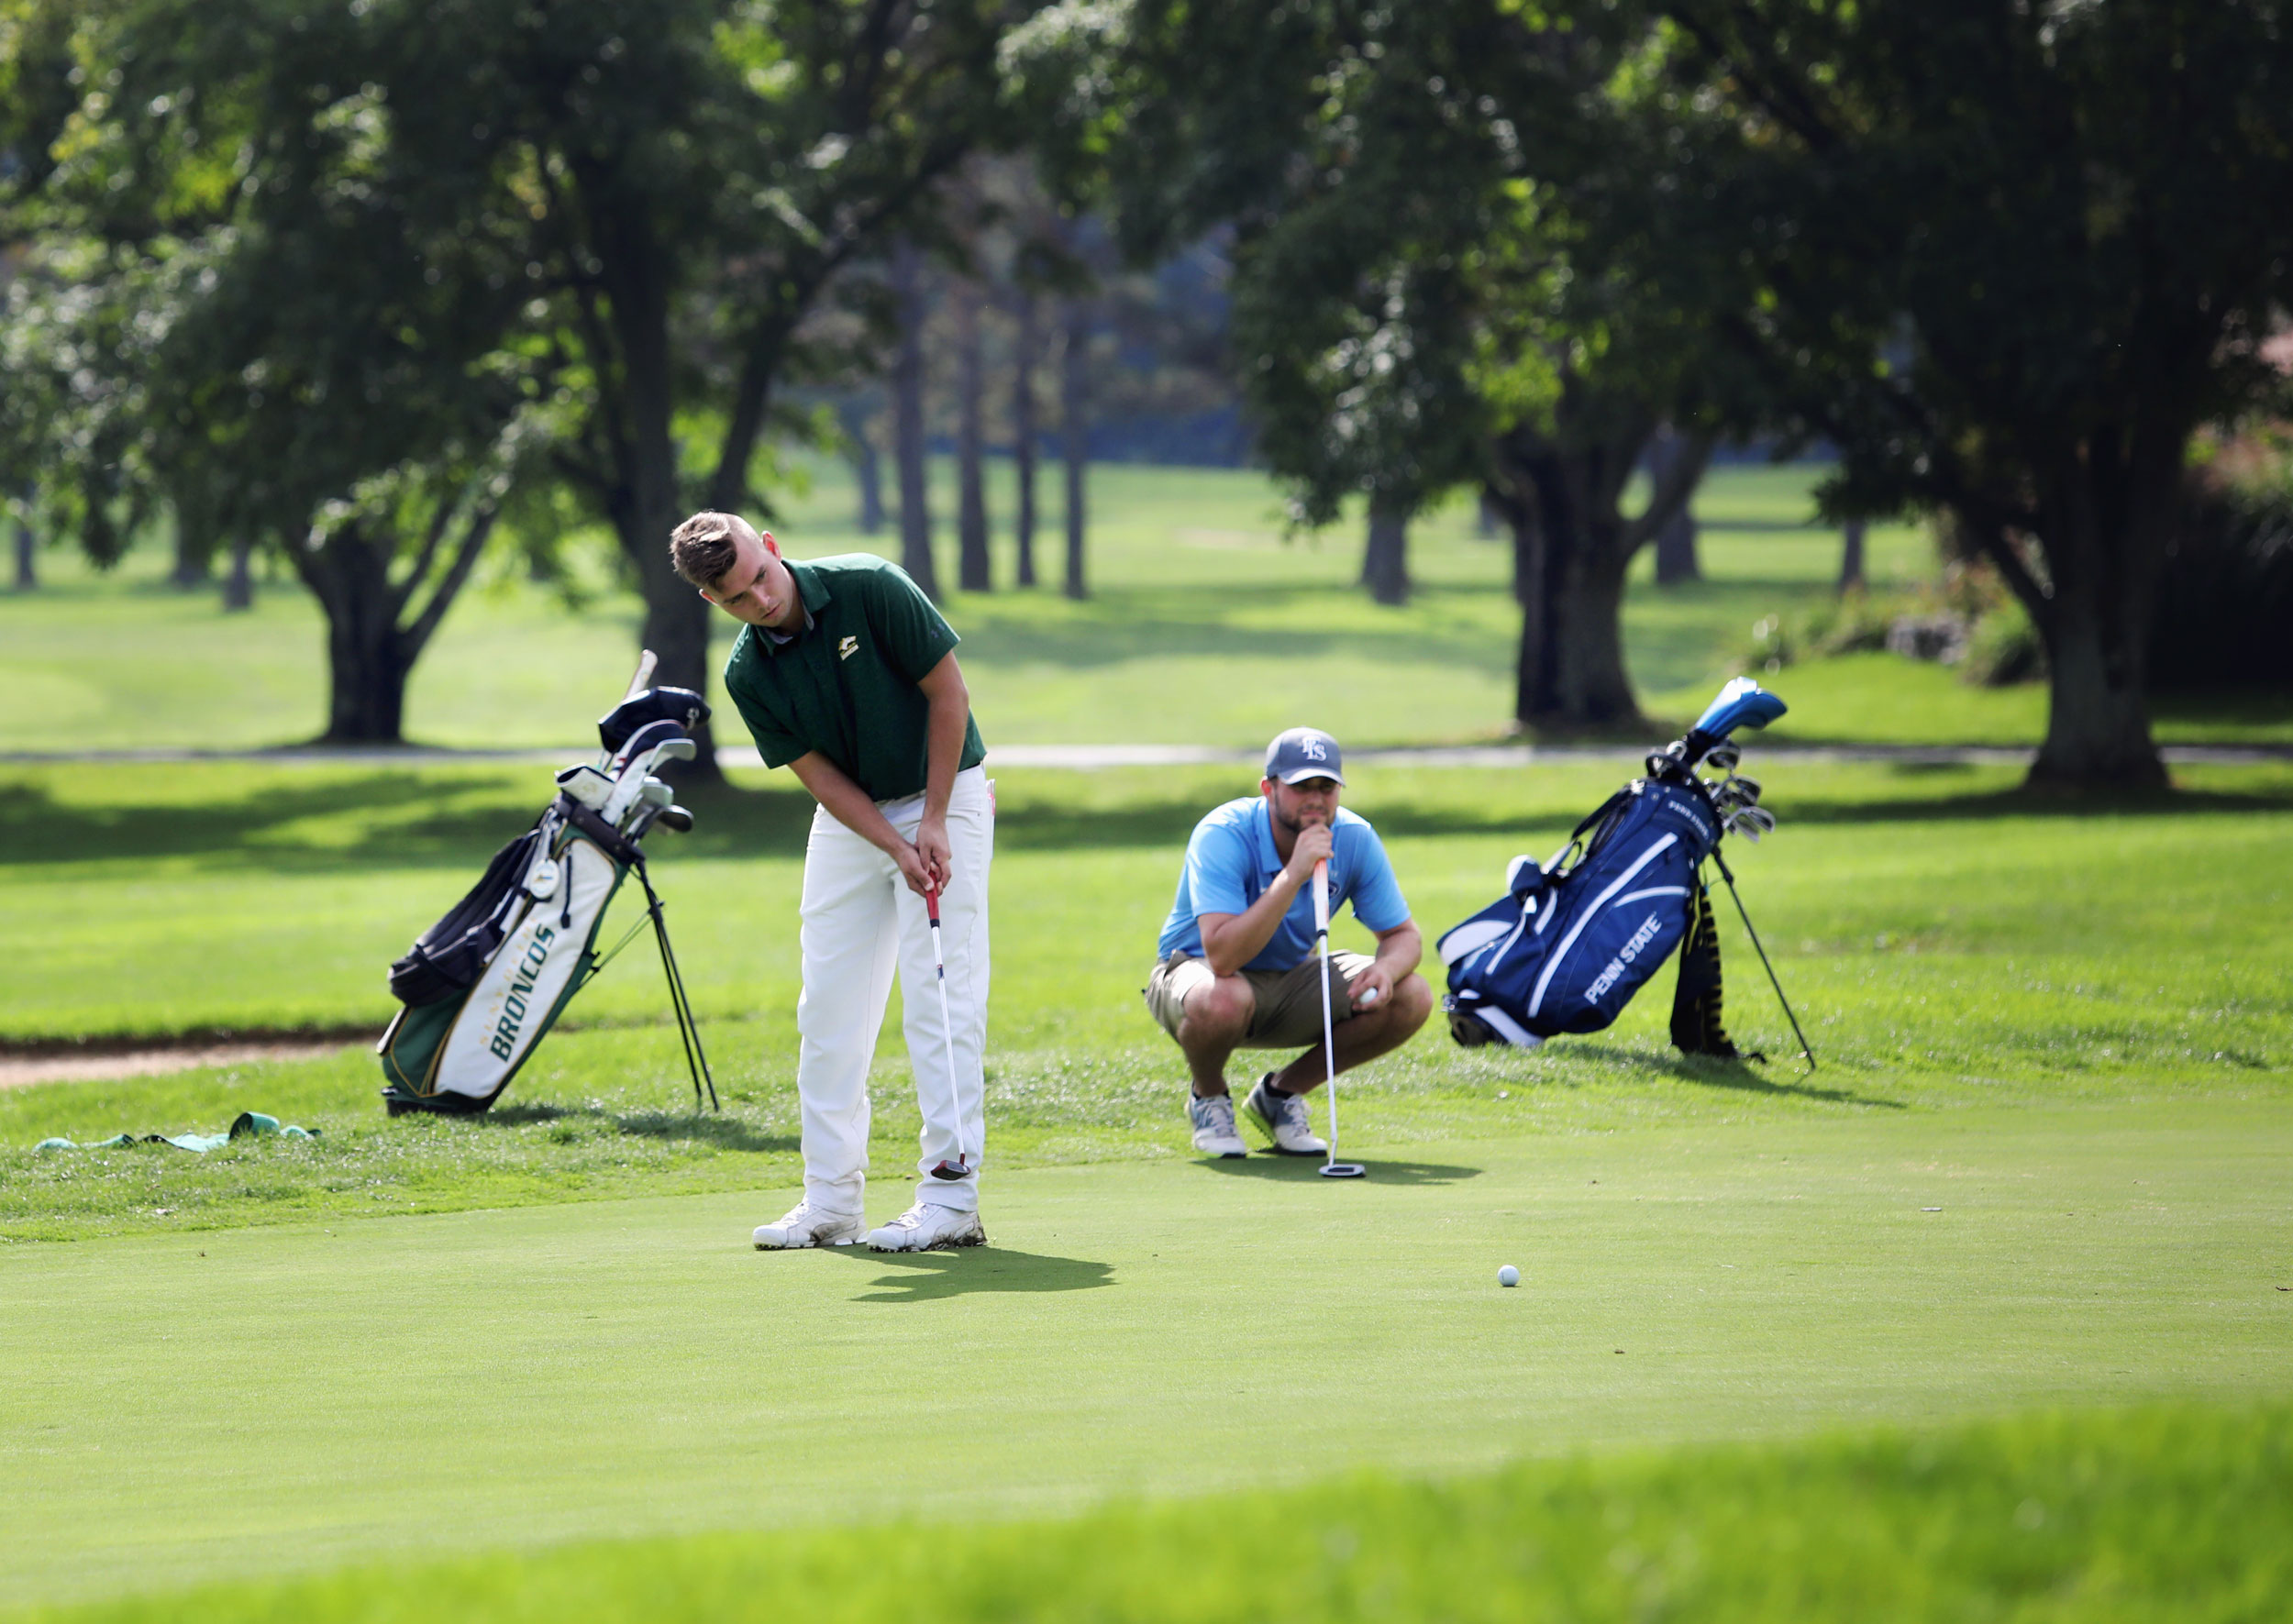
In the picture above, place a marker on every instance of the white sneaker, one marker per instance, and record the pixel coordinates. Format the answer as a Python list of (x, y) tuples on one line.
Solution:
[(1213, 1117), (1286, 1119), (807, 1225), (927, 1227)]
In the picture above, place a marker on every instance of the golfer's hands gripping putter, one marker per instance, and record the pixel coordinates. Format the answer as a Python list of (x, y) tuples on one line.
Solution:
[(960, 1168)]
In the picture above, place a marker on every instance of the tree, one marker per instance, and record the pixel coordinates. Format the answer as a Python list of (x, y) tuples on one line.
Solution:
[(699, 172), (909, 445), (2011, 257), (1437, 283), (313, 349)]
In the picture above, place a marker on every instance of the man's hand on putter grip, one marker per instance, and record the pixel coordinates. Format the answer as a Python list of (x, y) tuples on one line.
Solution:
[(1314, 847), (939, 858)]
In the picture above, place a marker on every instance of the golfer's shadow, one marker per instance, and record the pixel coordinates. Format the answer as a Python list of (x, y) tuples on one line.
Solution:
[(1308, 1170), (930, 1275)]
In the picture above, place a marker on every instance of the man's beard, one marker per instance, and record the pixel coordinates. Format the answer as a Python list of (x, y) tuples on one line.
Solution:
[(1294, 825)]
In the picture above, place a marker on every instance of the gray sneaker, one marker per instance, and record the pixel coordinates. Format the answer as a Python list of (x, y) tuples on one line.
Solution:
[(1285, 1118), (1213, 1117)]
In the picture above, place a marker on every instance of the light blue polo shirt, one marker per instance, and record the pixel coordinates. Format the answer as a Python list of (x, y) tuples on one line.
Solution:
[(1230, 861)]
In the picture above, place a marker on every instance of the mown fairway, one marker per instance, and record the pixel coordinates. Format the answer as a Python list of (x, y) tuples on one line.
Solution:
[(243, 1402)]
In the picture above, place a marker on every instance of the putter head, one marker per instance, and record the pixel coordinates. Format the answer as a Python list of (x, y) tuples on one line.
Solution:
[(1343, 1169), (950, 1171)]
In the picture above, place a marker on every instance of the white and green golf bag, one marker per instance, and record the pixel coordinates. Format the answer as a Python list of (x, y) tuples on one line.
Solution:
[(485, 984)]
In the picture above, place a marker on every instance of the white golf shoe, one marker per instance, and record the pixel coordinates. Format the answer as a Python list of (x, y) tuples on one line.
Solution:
[(1213, 1117), (1285, 1118), (807, 1225), (925, 1227)]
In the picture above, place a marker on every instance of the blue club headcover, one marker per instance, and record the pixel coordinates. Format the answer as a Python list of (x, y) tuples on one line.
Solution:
[(1741, 703)]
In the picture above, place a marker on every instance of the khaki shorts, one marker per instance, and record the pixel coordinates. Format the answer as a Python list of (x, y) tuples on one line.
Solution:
[(1288, 1012)]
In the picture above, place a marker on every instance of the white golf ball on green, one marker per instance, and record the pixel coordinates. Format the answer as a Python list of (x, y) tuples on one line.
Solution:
[(1508, 1275)]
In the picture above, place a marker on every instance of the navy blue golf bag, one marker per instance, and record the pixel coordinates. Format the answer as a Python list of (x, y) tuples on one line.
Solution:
[(1569, 944)]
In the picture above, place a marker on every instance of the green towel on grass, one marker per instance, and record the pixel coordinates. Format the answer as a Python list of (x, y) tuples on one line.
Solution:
[(249, 1124)]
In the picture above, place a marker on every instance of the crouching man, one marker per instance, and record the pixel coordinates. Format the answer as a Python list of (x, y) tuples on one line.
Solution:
[(1238, 967)]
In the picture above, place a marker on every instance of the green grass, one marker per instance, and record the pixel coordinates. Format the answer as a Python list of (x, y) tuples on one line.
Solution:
[(261, 1401), (1950, 941), (2159, 1513), (1207, 626)]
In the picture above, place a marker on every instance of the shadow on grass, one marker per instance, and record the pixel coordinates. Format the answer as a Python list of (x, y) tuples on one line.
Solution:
[(2022, 802), (724, 1133), (1308, 1170), (1742, 1076), (925, 1277)]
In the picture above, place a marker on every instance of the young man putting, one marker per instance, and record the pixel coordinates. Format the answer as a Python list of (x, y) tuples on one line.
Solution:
[(847, 675), (1238, 967)]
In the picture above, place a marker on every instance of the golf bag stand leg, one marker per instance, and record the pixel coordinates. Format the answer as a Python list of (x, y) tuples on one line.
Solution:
[(688, 1027), (1770, 969)]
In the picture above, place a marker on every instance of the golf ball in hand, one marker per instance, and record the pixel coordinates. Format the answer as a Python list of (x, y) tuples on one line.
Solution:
[(1508, 1275)]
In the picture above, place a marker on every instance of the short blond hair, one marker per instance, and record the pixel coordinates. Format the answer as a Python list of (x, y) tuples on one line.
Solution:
[(705, 546)]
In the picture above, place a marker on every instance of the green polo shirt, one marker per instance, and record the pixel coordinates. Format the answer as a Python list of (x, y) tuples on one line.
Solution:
[(846, 686)]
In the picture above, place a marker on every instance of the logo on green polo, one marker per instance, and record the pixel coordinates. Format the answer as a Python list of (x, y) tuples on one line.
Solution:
[(522, 979), (847, 648)]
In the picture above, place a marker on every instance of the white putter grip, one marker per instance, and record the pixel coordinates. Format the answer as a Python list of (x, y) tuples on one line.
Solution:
[(1322, 897)]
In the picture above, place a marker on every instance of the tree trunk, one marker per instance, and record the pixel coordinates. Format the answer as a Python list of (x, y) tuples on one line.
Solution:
[(2106, 516), (853, 411), (1676, 540), (907, 418), (1022, 436), (1851, 557), (194, 550), (238, 586), (975, 571), (366, 661), (1385, 559), (27, 565), (1491, 522), (1532, 670), (636, 276), (1075, 436), (1571, 549)]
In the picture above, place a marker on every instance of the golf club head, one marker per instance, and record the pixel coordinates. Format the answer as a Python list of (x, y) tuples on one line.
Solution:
[(656, 793), (1722, 757), (587, 784), (1343, 1169), (677, 819), (685, 708), (645, 738), (951, 1171), (1741, 703)]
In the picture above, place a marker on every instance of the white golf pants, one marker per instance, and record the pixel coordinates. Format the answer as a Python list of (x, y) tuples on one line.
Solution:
[(861, 920)]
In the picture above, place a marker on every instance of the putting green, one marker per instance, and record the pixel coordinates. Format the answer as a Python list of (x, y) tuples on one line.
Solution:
[(269, 1400)]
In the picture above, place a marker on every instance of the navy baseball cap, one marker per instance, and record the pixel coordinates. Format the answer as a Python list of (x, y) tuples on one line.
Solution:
[(1302, 753)]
